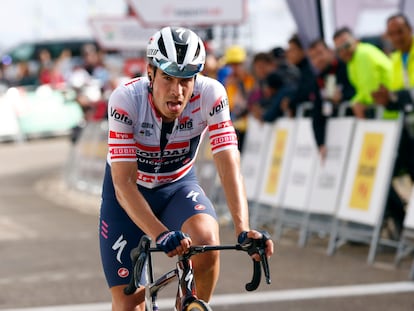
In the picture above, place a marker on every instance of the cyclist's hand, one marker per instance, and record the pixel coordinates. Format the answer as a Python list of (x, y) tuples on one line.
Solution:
[(246, 238), (173, 242)]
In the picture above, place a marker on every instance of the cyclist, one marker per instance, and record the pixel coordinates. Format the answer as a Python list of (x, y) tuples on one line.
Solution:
[(156, 124)]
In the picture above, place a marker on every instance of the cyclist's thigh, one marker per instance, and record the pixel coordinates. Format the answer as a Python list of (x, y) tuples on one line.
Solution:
[(188, 200), (118, 235)]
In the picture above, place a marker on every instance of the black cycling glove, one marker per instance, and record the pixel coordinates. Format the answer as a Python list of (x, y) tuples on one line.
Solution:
[(169, 240)]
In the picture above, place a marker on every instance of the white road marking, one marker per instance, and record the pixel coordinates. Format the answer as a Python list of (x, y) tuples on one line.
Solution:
[(261, 297)]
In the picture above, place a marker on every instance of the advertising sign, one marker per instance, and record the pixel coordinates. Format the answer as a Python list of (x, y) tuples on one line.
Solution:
[(254, 150), (302, 167), (189, 12), (330, 173), (369, 172), (120, 33), (277, 161)]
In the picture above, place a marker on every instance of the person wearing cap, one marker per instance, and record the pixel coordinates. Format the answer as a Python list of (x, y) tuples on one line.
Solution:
[(156, 124), (239, 83)]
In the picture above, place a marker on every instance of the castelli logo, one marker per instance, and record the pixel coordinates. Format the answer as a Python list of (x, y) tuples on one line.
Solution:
[(199, 207), (123, 272)]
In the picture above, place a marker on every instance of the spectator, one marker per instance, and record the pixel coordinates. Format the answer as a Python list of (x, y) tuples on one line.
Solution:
[(262, 65), (332, 75), (24, 76), (368, 68), (306, 90), (399, 32), (274, 91), (94, 65), (238, 84), (400, 93)]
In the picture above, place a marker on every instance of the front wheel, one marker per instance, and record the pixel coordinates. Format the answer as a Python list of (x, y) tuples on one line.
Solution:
[(198, 305)]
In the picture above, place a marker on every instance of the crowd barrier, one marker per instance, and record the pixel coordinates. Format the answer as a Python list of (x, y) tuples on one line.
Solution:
[(288, 185)]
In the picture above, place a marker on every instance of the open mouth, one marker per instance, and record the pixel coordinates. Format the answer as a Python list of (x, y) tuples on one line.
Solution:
[(174, 106)]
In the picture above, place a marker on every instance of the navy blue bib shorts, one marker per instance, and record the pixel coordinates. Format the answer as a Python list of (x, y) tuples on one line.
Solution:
[(173, 204)]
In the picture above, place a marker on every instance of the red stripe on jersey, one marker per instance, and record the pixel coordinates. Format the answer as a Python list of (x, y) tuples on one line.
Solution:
[(220, 125), (223, 140), (179, 145), (223, 145), (119, 135), (123, 157), (148, 148), (122, 145), (195, 110), (194, 98), (132, 81)]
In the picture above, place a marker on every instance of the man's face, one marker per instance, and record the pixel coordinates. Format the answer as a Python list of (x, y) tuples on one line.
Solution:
[(294, 54), (399, 34), (345, 46), (170, 94), (319, 55)]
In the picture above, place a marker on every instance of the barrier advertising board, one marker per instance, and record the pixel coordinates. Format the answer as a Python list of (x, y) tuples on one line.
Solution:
[(368, 175), (277, 162), (255, 146), (158, 13), (302, 167), (330, 173)]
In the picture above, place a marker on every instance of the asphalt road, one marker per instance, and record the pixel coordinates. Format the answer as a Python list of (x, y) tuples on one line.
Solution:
[(49, 254)]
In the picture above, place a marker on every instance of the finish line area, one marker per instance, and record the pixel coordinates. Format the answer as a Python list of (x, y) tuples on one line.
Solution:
[(261, 297)]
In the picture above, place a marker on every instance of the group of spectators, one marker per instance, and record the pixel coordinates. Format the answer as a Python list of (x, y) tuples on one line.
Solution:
[(353, 78)]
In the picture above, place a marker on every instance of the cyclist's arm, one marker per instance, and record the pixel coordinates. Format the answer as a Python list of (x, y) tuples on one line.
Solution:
[(228, 167), (124, 179)]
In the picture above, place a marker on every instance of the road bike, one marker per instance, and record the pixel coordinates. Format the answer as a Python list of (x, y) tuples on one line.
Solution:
[(186, 299)]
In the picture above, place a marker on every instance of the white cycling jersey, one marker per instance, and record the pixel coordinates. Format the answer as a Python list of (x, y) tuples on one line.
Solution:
[(135, 130)]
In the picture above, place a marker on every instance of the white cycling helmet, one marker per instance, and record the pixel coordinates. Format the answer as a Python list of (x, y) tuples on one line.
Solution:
[(177, 51)]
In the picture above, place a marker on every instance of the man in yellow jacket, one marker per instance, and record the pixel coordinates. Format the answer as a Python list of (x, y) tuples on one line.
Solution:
[(368, 68), (400, 94), (401, 91)]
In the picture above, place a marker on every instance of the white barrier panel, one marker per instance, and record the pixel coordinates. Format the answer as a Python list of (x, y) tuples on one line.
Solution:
[(277, 162), (368, 175), (409, 216), (330, 173), (302, 167), (9, 125), (256, 143)]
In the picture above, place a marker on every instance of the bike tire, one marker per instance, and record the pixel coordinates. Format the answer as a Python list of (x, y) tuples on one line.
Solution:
[(198, 305)]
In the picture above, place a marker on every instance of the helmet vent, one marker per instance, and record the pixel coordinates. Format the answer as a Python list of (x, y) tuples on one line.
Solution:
[(181, 52), (161, 46)]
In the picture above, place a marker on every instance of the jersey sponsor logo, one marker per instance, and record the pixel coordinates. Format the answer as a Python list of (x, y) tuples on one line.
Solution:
[(222, 105), (220, 125), (152, 52), (146, 133), (147, 125), (223, 138), (120, 115), (185, 124), (193, 195), (122, 150), (119, 245), (199, 207), (123, 272), (119, 135)]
